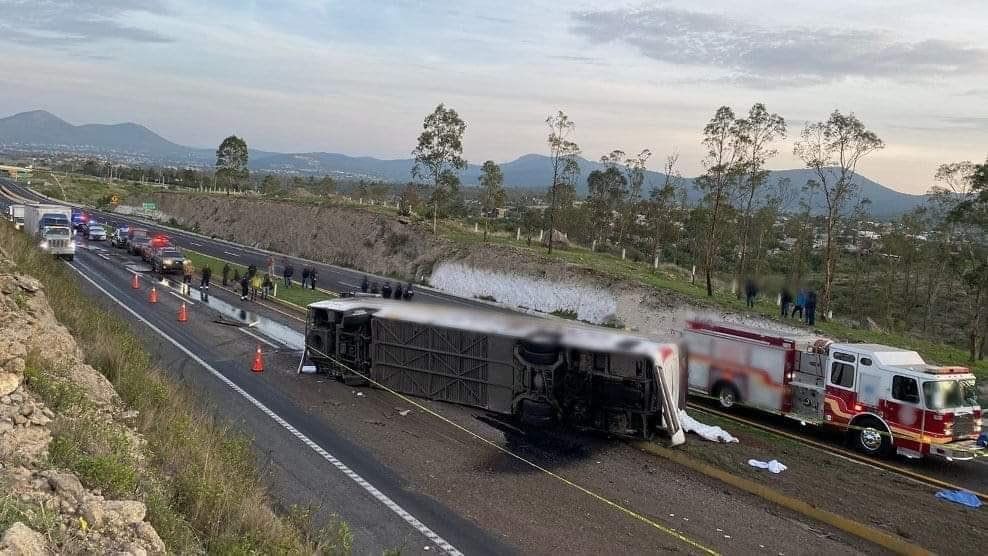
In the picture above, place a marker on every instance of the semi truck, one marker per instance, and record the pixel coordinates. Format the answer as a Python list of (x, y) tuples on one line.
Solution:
[(887, 400), (16, 215), (538, 370), (51, 226)]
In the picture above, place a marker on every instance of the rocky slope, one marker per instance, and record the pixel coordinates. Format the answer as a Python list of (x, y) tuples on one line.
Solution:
[(43, 509), (360, 239)]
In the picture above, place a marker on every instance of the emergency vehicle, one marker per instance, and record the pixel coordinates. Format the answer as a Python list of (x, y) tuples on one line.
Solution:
[(887, 399)]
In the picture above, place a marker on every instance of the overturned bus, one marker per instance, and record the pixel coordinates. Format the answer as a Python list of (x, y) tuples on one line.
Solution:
[(539, 370)]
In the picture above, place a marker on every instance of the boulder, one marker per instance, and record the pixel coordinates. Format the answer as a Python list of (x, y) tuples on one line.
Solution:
[(150, 537), (21, 540), (68, 486), (9, 382), (125, 511)]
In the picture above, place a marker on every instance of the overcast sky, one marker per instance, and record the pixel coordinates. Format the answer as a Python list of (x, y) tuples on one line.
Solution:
[(358, 77)]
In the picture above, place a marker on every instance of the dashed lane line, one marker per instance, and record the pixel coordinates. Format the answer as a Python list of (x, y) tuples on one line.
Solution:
[(259, 338), (342, 467), (180, 296)]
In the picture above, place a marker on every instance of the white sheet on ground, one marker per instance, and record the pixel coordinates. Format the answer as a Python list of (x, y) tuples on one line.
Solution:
[(709, 432), (775, 466)]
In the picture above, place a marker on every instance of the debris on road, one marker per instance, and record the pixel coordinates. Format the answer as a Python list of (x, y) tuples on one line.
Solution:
[(404, 412), (775, 466), (961, 497), (708, 432)]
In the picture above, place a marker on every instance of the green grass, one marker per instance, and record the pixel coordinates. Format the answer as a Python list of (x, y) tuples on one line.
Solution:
[(196, 475), (295, 295)]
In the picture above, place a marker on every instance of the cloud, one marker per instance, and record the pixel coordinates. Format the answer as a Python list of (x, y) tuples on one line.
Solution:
[(75, 22), (772, 56)]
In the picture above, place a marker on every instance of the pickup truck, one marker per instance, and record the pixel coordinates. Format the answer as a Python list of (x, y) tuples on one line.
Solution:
[(167, 259)]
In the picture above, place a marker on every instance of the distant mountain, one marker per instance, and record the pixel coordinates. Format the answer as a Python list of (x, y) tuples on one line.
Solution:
[(39, 128)]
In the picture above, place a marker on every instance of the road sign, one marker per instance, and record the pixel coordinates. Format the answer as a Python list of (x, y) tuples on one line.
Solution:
[(115, 199), (149, 206)]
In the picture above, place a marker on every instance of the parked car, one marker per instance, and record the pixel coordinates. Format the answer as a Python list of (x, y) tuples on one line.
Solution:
[(119, 236), (167, 259), (156, 242), (95, 232)]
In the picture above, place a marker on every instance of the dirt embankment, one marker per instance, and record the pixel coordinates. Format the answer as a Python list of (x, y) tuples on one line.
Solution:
[(385, 244), (349, 237), (44, 509)]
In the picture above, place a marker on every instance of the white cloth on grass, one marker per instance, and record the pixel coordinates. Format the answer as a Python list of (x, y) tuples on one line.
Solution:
[(775, 466), (709, 432)]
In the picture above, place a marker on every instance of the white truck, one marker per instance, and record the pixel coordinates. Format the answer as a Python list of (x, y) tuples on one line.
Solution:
[(51, 225), (16, 215), (888, 400)]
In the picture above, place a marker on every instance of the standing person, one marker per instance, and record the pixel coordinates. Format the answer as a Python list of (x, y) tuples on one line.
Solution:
[(305, 276), (207, 274), (268, 287), (398, 291), (287, 273), (785, 299), (226, 273), (255, 286), (187, 270), (364, 285), (386, 290), (750, 292), (312, 277), (811, 308), (244, 287), (800, 302), (270, 265)]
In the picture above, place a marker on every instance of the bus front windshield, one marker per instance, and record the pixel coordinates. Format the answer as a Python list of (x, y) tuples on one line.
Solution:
[(946, 394)]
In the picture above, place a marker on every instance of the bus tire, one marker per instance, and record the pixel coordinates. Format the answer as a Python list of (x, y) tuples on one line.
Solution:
[(870, 436)]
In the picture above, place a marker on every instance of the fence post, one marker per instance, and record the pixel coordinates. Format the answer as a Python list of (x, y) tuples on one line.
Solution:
[(622, 253), (593, 246), (518, 234), (655, 263), (475, 230), (540, 235)]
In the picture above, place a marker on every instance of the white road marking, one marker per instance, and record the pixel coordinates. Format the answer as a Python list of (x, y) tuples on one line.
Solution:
[(103, 256), (229, 253), (342, 467), (196, 244), (180, 296), (259, 338)]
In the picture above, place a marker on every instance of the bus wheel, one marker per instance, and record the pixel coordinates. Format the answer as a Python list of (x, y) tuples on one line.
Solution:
[(870, 437), (727, 395)]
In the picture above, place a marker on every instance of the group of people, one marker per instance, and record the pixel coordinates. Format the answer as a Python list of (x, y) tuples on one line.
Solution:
[(804, 303), (309, 275), (386, 291)]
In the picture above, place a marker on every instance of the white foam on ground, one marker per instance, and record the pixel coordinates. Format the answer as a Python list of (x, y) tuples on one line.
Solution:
[(590, 304)]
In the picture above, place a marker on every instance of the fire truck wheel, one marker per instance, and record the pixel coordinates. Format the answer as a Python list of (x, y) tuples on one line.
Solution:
[(727, 395), (871, 437)]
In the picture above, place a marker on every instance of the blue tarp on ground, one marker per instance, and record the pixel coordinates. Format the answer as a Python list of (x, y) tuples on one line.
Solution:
[(960, 497)]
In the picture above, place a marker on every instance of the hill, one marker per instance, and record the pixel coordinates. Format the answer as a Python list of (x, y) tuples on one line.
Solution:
[(41, 129)]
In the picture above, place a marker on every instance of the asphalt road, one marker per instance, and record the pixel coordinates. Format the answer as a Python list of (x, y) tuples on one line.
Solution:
[(302, 475), (333, 278)]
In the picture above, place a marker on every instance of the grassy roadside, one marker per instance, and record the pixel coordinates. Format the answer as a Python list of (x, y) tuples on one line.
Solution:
[(197, 476), (296, 295)]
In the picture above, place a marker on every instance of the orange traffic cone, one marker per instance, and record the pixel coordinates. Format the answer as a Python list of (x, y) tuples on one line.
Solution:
[(258, 366), (135, 282), (183, 313), (153, 295)]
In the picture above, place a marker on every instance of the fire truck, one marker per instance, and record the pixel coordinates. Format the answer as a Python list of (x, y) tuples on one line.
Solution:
[(888, 400)]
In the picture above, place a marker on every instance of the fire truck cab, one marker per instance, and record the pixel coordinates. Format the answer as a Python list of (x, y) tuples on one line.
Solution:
[(887, 399)]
